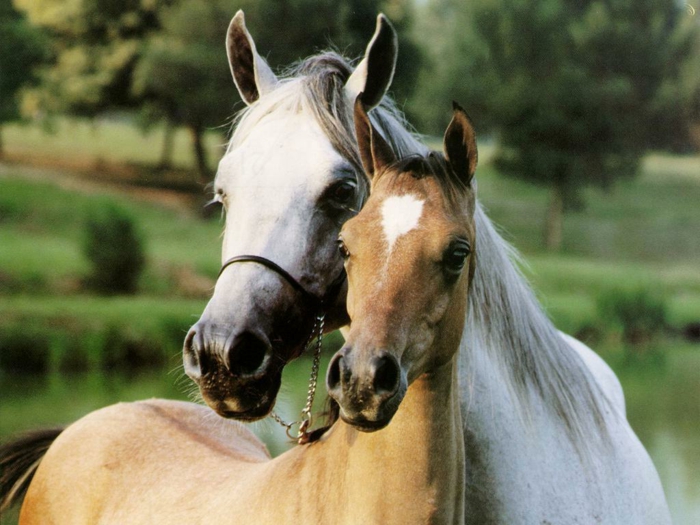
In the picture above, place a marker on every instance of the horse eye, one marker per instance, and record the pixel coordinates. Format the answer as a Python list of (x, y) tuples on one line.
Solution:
[(216, 202), (343, 192), (344, 252), (455, 257)]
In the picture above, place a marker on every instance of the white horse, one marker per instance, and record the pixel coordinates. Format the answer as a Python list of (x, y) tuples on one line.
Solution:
[(545, 432)]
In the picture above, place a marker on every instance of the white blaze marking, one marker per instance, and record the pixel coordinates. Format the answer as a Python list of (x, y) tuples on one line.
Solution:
[(400, 215)]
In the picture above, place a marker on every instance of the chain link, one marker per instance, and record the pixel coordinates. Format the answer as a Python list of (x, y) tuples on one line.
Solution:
[(306, 417)]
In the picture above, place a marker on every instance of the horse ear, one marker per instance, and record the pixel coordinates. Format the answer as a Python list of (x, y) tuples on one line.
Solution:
[(460, 144), (252, 75), (375, 153), (372, 76)]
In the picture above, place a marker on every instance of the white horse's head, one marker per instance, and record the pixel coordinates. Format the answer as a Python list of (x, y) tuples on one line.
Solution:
[(289, 180)]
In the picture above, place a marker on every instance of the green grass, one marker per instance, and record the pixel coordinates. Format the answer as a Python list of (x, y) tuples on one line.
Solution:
[(141, 312), (650, 219), (42, 232), (574, 283), (107, 139)]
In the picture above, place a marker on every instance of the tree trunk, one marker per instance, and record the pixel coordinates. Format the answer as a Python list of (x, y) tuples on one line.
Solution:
[(2, 146), (200, 154), (555, 221), (166, 154)]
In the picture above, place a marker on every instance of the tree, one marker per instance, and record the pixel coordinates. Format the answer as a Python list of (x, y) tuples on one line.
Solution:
[(455, 66), (21, 50), (95, 45), (575, 89), (183, 74)]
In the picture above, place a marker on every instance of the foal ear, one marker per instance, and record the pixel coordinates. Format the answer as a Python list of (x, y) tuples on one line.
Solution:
[(460, 144), (372, 76), (252, 75), (375, 153)]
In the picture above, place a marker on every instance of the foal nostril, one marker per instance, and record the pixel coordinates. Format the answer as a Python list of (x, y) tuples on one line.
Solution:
[(333, 375), (247, 354), (387, 375)]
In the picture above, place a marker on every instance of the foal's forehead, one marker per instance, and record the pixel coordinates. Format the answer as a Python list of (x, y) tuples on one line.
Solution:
[(283, 150), (403, 202)]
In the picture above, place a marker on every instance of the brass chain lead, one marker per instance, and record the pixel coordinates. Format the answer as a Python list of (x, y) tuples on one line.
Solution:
[(306, 417)]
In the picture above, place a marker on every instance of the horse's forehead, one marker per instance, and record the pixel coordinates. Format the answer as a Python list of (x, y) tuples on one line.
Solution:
[(285, 150)]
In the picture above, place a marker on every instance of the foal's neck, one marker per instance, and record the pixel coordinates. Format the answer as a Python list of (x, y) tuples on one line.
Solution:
[(413, 470)]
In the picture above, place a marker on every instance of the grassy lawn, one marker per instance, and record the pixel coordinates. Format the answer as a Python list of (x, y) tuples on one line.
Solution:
[(42, 229), (107, 139)]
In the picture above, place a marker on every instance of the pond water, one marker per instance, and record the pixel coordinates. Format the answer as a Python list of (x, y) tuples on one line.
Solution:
[(663, 404)]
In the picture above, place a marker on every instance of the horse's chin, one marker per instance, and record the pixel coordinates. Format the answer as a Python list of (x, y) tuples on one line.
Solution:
[(254, 414), (365, 424), (250, 402)]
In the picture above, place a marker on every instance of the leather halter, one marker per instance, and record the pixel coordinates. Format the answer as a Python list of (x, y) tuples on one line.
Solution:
[(317, 302)]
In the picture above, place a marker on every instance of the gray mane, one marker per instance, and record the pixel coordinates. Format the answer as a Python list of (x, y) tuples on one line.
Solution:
[(504, 316)]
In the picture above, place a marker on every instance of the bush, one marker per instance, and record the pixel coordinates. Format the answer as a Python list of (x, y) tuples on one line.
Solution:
[(639, 313), (24, 349), (115, 250)]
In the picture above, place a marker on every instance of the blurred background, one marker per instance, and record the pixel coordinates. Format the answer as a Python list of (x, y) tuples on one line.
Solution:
[(114, 113)]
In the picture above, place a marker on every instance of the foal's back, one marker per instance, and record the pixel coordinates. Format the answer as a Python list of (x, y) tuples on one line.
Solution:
[(105, 482)]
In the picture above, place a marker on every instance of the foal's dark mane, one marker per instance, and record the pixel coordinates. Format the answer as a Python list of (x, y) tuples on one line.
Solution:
[(434, 165)]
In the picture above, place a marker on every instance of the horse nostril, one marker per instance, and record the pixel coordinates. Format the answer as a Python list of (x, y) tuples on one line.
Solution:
[(386, 375), (247, 354), (195, 362)]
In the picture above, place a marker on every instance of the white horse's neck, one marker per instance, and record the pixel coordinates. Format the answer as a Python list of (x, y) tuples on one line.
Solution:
[(507, 326), (409, 472)]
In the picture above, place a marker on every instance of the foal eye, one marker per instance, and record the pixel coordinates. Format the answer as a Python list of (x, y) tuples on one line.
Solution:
[(343, 192), (344, 252), (456, 256)]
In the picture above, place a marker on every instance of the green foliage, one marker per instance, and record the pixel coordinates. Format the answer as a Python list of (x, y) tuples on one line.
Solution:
[(95, 46), (21, 50), (576, 93), (184, 65), (115, 249), (640, 313), (568, 71)]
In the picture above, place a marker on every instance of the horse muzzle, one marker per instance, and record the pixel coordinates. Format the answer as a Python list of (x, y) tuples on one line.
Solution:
[(235, 372), (368, 390)]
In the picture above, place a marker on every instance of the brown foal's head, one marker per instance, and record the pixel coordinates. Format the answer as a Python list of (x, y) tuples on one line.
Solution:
[(409, 256)]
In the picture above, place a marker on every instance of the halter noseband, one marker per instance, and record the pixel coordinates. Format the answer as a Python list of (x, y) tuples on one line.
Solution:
[(317, 303)]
